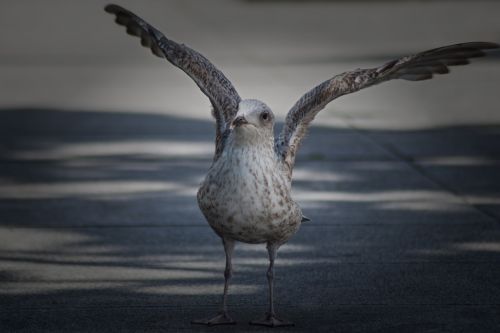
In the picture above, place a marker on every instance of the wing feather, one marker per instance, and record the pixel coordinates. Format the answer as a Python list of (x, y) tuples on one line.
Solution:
[(210, 80), (417, 67)]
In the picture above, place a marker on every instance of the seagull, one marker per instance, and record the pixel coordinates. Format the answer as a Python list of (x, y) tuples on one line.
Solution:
[(246, 195)]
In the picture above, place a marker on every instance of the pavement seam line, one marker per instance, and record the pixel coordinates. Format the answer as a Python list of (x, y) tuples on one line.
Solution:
[(415, 166)]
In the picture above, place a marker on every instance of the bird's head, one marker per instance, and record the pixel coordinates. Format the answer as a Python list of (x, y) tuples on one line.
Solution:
[(254, 120)]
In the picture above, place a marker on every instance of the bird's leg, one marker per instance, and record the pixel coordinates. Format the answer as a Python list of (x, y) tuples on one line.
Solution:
[(222, 318), (270, 318), (228, 271)]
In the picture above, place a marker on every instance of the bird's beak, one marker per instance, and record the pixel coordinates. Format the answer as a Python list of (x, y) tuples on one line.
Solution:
[(238, 121)]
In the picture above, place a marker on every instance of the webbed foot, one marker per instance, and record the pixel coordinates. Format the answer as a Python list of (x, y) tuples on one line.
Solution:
[(220, 319), (271, 320)]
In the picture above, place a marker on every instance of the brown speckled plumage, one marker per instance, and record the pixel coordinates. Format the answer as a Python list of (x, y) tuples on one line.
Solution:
[(246, 193)]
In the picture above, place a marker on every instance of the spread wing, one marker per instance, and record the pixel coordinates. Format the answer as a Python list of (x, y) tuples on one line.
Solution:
[(209, 79), (421, 66)]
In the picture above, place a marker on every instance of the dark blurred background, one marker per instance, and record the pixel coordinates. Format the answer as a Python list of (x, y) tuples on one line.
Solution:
[(69, 55)]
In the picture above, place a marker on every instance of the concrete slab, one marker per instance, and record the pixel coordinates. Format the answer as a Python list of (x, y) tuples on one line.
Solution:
[(99, 210), (350, 318), (55, 273), (465, 160)]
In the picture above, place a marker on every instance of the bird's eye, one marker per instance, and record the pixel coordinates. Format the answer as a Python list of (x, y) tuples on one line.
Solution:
[(264, 115)]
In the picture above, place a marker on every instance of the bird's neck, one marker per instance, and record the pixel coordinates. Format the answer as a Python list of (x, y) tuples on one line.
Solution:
[(257, 154), (245, 146), (251, 139)]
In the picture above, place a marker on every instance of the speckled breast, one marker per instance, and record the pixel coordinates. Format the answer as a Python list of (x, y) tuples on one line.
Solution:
[(246, 197)]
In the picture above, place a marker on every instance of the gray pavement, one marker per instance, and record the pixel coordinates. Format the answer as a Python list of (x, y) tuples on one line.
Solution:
[(101, 156), (112, 240)]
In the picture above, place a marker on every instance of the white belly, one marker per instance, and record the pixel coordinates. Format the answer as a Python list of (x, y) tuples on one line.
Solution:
[(247, 198)]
